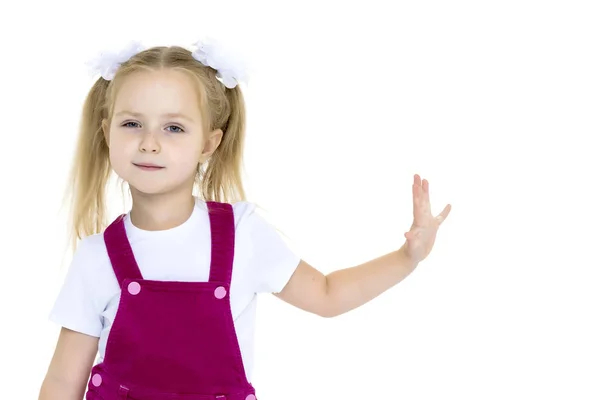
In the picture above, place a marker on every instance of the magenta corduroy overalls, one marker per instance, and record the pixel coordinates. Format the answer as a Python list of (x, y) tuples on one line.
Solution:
[(173, 340)]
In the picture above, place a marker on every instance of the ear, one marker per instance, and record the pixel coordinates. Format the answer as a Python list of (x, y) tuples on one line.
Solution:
[(106, 130), (211, 144)]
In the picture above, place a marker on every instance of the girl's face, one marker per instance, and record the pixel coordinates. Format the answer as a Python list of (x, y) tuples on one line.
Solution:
[(155, 137)]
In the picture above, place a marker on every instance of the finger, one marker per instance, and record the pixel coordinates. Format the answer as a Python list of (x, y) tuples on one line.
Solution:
[(444, 214), (416, 191), (425, 197)]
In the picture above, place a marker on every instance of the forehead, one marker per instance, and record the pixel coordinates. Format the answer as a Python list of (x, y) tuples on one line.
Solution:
[(158, 92)]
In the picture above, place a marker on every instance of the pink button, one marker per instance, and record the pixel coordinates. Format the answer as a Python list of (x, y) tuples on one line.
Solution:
[(96, 380), (251, 397), (220, 292), (134, 288)]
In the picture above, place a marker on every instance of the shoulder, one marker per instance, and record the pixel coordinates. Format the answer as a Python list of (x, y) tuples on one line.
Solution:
[(253, 225), (91, 262), (272, 256), (252, 218), (91, 249), (244, 211)]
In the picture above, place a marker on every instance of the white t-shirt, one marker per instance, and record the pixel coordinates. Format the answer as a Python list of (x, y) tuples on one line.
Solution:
[(263, 263)]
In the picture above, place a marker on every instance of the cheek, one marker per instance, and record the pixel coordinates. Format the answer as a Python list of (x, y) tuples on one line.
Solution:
[(121, 149), (188, 149), (117, 159), (186, 158)]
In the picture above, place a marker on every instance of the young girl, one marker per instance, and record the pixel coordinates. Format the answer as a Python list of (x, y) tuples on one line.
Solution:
[(166, 294)]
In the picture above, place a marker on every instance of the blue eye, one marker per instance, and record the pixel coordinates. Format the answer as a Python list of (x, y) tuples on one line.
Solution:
[(174, 126), (170, 128)]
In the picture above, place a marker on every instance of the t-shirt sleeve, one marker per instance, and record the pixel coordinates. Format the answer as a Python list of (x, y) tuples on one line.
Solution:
[(272, 259), (75, 307)]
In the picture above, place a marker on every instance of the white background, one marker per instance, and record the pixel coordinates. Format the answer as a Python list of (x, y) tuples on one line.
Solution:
[(496, 103)]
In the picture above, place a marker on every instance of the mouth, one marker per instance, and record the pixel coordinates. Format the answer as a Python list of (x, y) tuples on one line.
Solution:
[(148, 167)]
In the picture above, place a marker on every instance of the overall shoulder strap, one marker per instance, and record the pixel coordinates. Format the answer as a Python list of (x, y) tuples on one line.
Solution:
[(120, 252), (222, 228)]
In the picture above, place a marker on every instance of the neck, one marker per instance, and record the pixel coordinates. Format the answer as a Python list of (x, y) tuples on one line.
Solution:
[(158, 212)]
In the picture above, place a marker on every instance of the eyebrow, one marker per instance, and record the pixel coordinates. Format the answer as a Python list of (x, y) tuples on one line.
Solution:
[(138, 115)]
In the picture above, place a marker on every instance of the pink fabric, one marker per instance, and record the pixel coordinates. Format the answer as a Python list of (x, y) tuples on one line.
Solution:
[(173, 340)]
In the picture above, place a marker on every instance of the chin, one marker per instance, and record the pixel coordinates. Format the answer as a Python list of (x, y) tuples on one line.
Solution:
[(149, 191), (150, 188)]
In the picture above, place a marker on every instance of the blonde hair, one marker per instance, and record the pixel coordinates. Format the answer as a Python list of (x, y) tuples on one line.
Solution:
[(220, 179)]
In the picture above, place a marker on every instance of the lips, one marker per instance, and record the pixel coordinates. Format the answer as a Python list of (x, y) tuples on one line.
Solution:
[(148, 166)]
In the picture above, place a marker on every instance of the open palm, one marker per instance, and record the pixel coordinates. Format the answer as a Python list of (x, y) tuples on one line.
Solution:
[(421, 236)]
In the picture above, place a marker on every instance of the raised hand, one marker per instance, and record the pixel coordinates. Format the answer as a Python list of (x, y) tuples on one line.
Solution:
[(421, 236)]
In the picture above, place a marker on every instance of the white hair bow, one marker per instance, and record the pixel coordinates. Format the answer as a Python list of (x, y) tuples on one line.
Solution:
[(107, 63), (230, 66)]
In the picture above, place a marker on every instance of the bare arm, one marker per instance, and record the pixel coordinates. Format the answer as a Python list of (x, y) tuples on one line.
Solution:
[(345, 289), (70, 367)]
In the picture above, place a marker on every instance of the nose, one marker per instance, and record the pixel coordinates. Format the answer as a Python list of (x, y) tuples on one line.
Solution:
[(149, 144)]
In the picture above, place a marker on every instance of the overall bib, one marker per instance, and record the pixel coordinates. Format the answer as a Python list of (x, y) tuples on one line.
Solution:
[(173, 340)]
